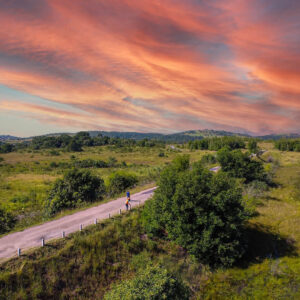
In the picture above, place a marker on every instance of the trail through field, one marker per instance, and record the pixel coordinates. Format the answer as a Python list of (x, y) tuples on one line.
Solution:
[(32, 237)]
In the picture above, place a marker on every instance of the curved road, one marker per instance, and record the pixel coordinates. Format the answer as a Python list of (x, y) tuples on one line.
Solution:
[(32, 237)]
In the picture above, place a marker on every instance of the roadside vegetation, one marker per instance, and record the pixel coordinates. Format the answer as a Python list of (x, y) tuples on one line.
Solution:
[(234, 234)]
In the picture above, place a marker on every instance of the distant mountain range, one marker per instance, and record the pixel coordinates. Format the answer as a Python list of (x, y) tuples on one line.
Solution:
[(4, 138), (184, 136)]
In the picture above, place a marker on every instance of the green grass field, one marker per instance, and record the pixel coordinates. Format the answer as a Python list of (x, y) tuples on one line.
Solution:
[(27, 176), (85, 264)]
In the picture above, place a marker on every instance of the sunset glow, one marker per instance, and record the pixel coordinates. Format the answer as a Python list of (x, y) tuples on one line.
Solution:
[(149, 66)]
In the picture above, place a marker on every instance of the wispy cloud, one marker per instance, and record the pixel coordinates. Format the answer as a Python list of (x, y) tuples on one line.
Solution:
[(153, 65)]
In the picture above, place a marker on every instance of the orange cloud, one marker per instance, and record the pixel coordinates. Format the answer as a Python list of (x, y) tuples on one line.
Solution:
[(153, 65)]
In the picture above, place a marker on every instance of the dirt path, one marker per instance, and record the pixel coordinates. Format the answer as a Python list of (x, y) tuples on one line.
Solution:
[(32, 237)]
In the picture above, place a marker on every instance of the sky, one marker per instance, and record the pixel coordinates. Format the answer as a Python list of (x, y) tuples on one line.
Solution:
[(149, 66)]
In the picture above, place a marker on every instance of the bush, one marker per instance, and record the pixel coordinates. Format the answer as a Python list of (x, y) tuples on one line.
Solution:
[(161, 154), (76, 187), (238, 164), (7, 221), (200, 211), (208, 159), (90, 163), (119, 181), (252, 146), (286, 144), (153, 282), (74, 146), (54, 153)]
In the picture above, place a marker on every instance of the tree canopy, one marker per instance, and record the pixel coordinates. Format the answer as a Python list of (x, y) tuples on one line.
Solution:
[(151, 283), (75, 187), (201, 211), (239, 165)]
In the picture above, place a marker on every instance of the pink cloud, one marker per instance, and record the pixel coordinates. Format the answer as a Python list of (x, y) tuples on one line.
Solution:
[(184, 65)]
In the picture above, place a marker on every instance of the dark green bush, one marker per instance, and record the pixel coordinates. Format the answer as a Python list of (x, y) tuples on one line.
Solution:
[(161, 154), (252, 146), (285, 144), (77, 186), (239, 165), (74, 146), (90, 163), (208, 159), (7, 221), (119, 181), (200, 211), (152, 282)]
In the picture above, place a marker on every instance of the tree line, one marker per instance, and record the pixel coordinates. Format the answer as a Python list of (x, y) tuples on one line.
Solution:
[(216, 143), (288, 145), (77, 142)]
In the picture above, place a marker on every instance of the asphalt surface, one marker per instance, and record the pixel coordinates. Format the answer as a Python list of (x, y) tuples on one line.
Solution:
[(32, 237)]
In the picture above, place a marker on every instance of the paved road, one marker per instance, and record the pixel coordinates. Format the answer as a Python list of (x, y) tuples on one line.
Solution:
[(32, 236)]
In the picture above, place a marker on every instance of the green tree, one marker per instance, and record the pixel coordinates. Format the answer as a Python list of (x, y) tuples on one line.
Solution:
[(119, 181), (151, 283), (74, 146), (252, 146), (77, 186), (200, 211), (7, 221), (239, 165)]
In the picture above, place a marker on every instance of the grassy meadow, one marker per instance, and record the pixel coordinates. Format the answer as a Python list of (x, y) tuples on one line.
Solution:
[(26, 176), (87, 263)]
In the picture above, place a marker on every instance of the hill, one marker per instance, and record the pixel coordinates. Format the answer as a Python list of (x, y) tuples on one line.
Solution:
[(279, 136), (5, 138)]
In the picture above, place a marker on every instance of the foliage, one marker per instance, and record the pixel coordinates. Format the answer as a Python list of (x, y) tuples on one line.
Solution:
[(200, 211), (7, 221), (90, 163), (252, 146), (6, 147), (239, 165), (77, 186), (161, 154), (216, 143), (119, 181), (285, 144), (208, 159), (74, 146), (151, 283)]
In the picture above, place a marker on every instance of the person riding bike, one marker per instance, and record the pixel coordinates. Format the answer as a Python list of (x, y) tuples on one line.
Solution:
[(127, 202)]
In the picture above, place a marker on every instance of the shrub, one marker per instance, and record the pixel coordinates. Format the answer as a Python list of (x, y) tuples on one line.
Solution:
[(200, 211), (54, 153), (74, 146), (7, 221), (119, 181), (152, 282), (238, 164), (252, 146), (77, 186), (112, 162), (208, 159)]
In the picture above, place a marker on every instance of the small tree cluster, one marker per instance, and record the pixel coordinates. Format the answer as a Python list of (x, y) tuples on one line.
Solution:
[(252, 146), (288, 145), (7, 221), (120, 181), (153, 282), (239, 165), (216, 143), (75, 187), (200, 211)]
